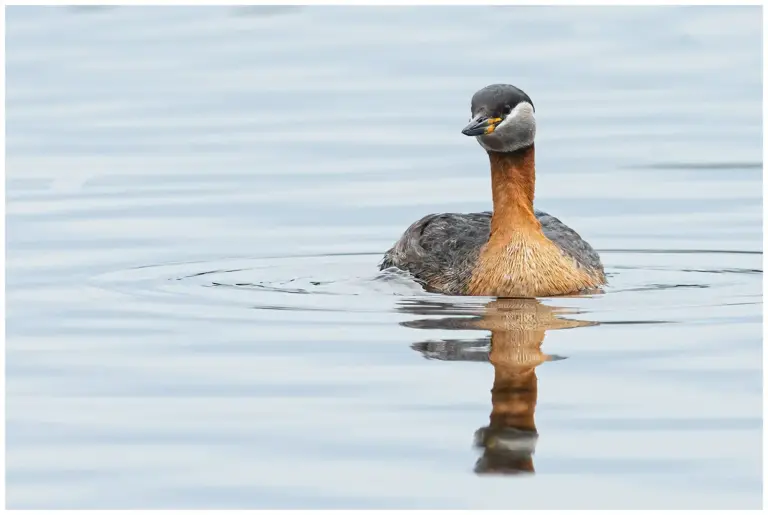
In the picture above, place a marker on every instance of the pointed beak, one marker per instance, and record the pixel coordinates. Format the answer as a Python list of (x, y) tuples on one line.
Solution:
[(480, 125)]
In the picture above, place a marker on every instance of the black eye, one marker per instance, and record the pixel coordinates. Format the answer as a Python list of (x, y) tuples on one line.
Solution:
[(506, 110)]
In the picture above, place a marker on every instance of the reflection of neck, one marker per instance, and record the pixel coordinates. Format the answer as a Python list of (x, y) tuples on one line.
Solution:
[(513, 181), (514, 356)]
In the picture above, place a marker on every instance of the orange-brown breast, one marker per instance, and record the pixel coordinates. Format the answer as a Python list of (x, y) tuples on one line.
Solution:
[(527, 264)]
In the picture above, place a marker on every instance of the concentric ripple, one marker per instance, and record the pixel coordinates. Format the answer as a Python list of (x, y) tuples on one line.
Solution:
[(352, 282)]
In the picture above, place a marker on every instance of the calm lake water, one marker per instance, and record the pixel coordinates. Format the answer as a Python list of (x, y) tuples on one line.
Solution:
[(197, 200)]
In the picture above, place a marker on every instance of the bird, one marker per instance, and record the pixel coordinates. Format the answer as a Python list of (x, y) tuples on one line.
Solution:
[(513, 250)]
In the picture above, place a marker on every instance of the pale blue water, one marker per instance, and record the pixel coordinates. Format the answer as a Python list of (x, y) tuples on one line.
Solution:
[(197, 199)]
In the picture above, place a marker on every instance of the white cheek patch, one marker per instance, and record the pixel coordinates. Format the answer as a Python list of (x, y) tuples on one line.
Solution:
[(516, 131), (522, 113)]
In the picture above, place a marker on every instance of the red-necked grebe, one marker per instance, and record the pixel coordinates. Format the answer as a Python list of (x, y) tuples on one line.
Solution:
[(514, 251)]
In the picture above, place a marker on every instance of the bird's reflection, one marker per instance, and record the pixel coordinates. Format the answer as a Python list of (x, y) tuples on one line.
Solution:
[(517, 327)]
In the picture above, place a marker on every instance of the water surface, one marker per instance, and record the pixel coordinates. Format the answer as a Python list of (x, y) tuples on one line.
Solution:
[(197, 199)]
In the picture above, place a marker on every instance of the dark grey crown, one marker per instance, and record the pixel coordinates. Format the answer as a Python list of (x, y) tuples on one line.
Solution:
[(498, 99)]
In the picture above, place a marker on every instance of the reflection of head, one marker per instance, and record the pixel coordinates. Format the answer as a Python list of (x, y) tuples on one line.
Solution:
[(517, 329), (506, 450)]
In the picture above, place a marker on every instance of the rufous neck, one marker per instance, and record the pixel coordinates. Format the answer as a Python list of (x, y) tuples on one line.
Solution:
[(513, 181)]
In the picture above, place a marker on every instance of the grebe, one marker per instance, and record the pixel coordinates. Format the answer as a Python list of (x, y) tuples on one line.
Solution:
[(514, 251)]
